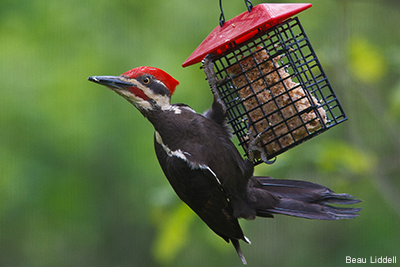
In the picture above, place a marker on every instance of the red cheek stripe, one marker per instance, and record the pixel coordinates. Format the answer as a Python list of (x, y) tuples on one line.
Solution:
[(139, 93)]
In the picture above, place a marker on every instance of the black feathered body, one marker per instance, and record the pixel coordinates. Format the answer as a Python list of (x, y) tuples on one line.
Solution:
[(204, 168), (208, 173)]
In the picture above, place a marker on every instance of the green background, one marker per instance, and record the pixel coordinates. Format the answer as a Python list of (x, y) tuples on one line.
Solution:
[(80, 184)]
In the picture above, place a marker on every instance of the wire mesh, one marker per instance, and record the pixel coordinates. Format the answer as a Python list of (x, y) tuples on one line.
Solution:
[(274, 86)]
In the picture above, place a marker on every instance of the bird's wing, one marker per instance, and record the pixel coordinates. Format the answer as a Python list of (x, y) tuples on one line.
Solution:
[(200, 189)]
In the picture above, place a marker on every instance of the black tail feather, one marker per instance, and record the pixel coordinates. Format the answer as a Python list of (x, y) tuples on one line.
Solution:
[(236, 244), (307, 200)]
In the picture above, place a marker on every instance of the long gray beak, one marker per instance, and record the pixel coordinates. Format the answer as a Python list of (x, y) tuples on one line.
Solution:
[(112, 82)]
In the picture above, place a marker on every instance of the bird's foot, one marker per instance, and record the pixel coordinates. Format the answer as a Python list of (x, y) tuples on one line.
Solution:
[(208, 67), (254, 146)]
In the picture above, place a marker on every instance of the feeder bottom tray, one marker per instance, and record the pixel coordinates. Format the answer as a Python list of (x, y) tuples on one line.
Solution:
[(274, 102)]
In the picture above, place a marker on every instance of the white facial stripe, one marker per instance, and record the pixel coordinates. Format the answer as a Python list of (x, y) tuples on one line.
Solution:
[(131, 97), (162, 100), (136, 101)]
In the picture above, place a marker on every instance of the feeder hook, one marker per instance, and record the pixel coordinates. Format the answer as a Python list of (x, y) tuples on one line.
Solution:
[(222, 16), (249, 6)]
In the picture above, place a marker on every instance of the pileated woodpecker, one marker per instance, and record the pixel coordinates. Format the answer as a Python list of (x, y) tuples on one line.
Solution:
[(205, 168)]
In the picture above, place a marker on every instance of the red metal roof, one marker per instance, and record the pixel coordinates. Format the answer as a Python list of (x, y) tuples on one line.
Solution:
[(243, 27)]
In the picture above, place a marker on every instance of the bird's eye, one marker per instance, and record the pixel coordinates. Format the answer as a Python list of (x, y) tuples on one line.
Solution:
[(146, 80)]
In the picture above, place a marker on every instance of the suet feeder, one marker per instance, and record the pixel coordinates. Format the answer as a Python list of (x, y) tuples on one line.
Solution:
[(270, 79)]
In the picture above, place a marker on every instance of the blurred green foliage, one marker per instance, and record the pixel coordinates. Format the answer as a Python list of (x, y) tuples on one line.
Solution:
[(79, 181)]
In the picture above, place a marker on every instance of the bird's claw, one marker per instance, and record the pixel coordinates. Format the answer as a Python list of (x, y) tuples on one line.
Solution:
[(253, 146), (208, 67)]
